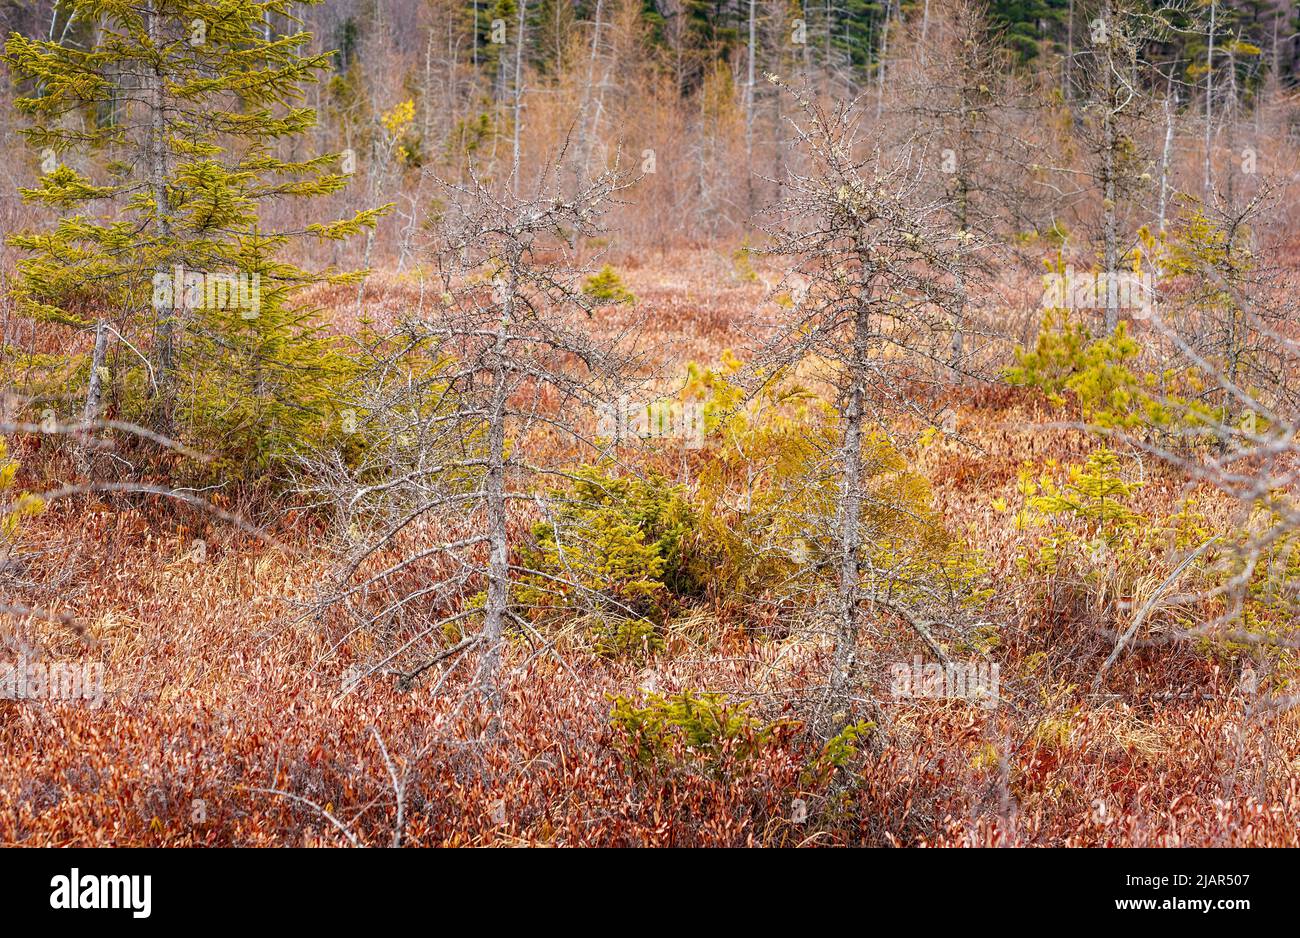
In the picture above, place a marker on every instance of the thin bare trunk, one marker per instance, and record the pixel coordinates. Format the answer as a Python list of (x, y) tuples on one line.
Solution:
[(585, 130), (164, 323), (850, 523), (1109, 144), (884, 54), (95, 389), (1164, 171), (519, 94), (498, 590), (1068, 62), (749, 109), (1209, 98)]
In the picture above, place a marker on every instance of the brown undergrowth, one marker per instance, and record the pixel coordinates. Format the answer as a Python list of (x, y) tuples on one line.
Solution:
[(228, 717)]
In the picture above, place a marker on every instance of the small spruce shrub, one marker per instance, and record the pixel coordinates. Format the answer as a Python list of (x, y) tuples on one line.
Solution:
[(617, 548), (16, 506), (606, 287), (702, 728)]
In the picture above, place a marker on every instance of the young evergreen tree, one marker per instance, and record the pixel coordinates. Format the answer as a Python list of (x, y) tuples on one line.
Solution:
[(165, 138)]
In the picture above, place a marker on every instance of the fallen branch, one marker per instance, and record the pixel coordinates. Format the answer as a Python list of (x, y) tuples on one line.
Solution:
[(1147, 607)]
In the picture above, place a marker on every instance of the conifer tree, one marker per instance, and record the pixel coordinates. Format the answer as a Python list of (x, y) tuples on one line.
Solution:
[(871, 296), (451, 406), (165, 139)]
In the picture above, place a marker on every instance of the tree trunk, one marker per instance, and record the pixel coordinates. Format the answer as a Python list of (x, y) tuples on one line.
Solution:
[(749, 111), (519, 94), (1165, 153), (884, 53), (164, 322), (1068, 62), (498, 591), (966, 146), (585, 131), (1209, 99), (95, 390), (1109, 143), (850, 522)]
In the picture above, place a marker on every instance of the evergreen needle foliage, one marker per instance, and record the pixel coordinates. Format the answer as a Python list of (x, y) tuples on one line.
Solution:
[(164, 133)]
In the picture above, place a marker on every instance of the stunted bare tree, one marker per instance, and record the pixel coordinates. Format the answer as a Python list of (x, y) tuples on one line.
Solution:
[(872, 287), (956, 84), (1118, 85), (458, 412)]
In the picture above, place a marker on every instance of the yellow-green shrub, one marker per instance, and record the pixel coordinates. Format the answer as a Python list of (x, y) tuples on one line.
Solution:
[(768, 500), (616, 547), (606, 286), (1099, 375), (15, 506), (704, 727)]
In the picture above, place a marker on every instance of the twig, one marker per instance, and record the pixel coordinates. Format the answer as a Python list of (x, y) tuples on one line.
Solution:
[(1146, 608)]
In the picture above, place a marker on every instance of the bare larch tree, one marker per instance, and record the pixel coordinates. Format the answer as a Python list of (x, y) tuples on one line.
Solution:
[(873, 280), (458, 409)]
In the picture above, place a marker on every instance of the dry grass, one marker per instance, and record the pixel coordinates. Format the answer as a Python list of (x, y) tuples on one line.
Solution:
[(225, 721)]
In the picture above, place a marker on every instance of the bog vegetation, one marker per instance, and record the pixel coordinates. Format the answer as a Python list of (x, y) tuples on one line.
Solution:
[(668, 422)]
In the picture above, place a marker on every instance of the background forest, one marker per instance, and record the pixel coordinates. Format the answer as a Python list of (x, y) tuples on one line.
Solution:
[(655, 422)]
